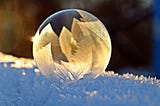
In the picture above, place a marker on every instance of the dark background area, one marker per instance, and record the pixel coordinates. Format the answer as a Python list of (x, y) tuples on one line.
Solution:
[(129, 23)]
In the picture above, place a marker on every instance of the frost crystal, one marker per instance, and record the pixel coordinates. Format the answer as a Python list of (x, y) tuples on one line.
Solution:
[(70, 44)]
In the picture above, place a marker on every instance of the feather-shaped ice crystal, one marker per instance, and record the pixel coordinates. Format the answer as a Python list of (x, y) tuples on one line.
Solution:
[(70, 44)]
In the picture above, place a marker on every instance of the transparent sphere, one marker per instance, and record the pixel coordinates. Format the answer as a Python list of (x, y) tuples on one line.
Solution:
[(70, 44)]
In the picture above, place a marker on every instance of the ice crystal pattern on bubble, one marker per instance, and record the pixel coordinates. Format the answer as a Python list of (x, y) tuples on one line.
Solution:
[(70, 44)]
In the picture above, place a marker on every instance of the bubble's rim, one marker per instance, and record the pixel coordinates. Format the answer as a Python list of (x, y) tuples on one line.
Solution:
[(65, 10)]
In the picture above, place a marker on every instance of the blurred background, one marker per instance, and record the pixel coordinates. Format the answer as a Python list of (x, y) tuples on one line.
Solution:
[(132, 25)]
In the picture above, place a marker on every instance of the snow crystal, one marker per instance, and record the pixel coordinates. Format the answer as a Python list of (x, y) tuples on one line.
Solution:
[(92, 93), (36, 70), (23, 73), (25, 85)]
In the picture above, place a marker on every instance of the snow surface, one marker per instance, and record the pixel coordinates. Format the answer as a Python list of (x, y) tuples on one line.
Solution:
[(22, 84)]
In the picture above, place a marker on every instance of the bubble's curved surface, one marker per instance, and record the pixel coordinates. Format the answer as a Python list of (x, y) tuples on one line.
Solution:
[(70, 44)]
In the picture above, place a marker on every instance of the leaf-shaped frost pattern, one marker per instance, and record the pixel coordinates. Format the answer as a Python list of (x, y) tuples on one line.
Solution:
[(80, 48)]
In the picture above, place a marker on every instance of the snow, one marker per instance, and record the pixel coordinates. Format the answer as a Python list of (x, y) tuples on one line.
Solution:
[(22, 84)]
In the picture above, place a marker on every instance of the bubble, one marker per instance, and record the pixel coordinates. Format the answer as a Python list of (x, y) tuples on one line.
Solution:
[(70, 44)]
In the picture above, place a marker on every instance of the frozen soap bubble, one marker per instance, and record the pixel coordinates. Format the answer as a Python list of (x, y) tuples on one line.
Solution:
[(70, 44)]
